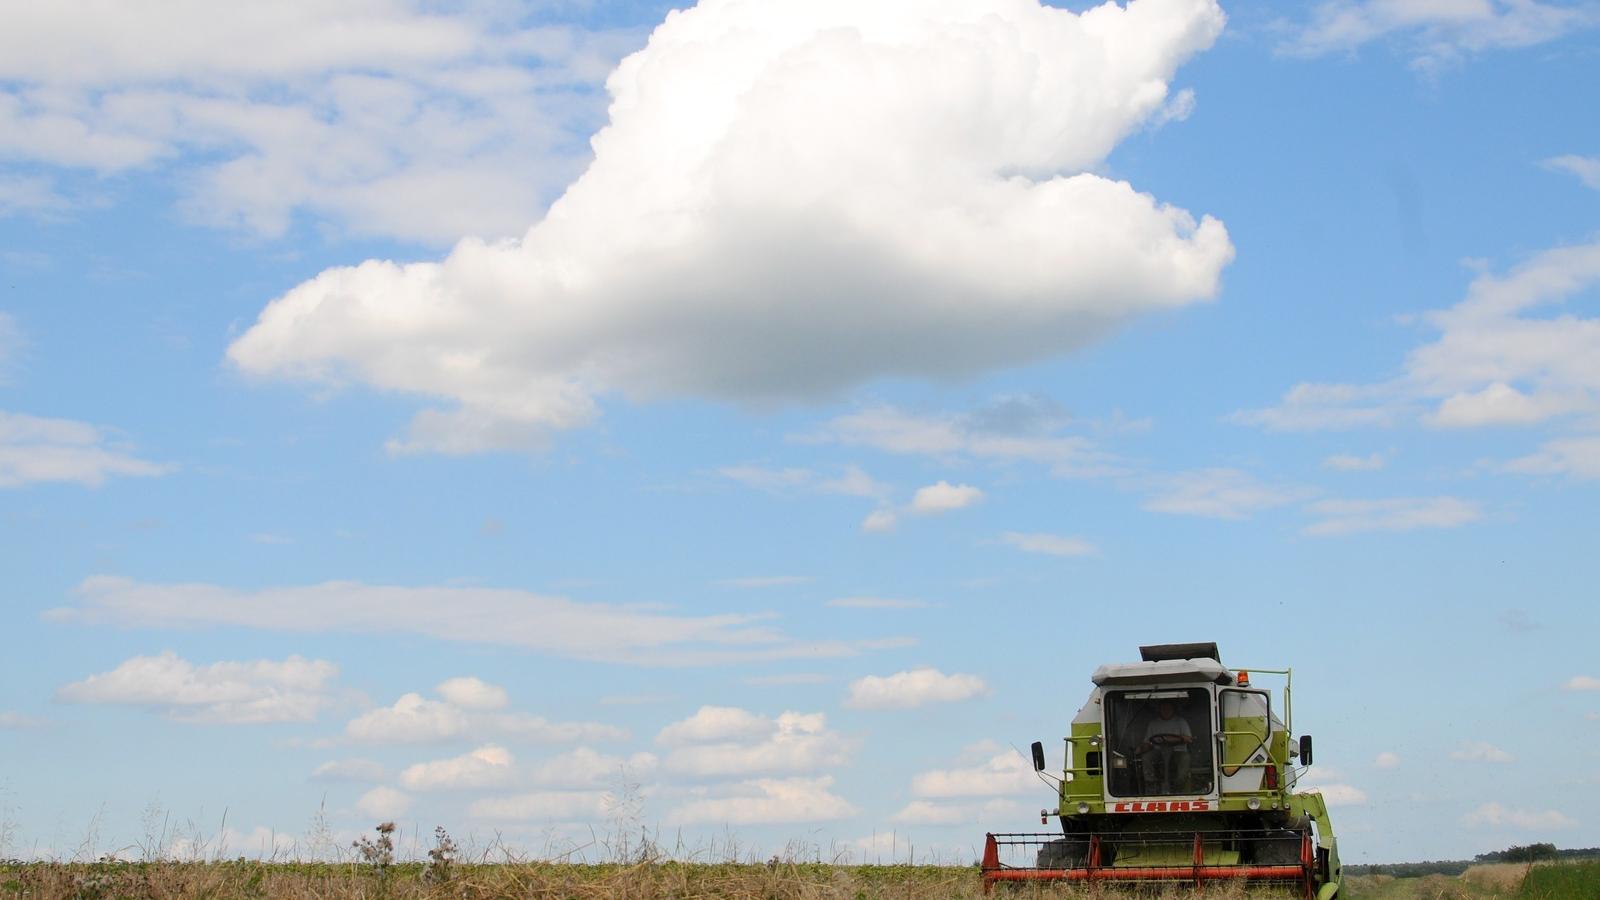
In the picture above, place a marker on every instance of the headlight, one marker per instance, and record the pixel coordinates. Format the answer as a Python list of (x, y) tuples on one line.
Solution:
[(1083, 808), (1253, 803)]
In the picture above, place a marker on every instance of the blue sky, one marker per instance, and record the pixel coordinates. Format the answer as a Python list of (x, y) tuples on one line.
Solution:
[(887, 369)]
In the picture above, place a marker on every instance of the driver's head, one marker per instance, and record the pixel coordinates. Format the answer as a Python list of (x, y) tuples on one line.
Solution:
[(1166, 709)]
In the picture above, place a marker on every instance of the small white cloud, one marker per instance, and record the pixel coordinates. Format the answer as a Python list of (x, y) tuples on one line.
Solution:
[(1496, 815), (1345, 462), (767, 801), (1049, 544), (1219, 494), (908, 690), (384, 803), (258, 691), (472, 693), (1481, 751), (350, 770), (1387, 760), (715, 723), (1004, 773), (1342, 517), (1582, 683), (735, 742), (585, 768), (1587, 168), (34, 450), (943, 497), (414, 719), (486, 767), (1501, 404), (880, 521)]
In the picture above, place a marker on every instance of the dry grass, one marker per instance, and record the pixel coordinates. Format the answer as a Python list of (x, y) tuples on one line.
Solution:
[(536, 881), (1503, 877)]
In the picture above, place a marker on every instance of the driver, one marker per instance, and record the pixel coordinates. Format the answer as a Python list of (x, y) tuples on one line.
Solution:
[(1166, 750)]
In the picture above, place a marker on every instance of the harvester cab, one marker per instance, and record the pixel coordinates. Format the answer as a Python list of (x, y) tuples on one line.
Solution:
[(1179, 769)]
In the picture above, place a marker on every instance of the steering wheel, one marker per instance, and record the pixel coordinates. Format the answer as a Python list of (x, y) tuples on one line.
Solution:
[(1165, 740)]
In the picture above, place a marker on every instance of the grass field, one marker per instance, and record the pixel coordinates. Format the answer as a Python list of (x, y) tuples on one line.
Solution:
[(681, 881)]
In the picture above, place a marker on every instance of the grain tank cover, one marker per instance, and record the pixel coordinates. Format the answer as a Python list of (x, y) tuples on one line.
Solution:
[(1165, 671), (1159, 652)]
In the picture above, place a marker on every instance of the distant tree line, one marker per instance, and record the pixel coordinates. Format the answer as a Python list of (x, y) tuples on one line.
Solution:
[(1515, 854), (1537, 853)]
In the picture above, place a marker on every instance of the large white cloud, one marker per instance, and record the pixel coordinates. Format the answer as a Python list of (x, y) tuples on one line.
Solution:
[(293, 690), (792, 197)]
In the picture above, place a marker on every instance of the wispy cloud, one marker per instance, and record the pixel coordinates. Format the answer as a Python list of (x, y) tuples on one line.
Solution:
[(1220, 494), (862, 602), (506, 617), (37, 450), (1342, 517), (1346, 462), (1436, 34), (1496, 362), (1481, 751), (1586, 168), (1049, 544), (1496, 815), (766, 581)]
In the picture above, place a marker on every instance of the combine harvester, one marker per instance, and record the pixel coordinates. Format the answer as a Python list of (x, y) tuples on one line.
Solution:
[(1179, 770)]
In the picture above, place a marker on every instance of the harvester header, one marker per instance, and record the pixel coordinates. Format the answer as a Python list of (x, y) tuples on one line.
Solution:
[(1179, 769)]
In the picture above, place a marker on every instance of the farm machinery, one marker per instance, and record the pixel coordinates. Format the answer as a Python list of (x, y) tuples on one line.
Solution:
[(1178, 770)]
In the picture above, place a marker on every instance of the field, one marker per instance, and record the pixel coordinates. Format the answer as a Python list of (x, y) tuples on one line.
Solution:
[(681, 881)]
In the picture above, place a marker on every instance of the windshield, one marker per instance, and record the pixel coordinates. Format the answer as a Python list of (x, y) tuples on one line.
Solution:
[(1160, 742)]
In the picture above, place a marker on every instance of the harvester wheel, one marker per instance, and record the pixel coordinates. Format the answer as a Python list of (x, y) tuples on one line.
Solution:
[(1064, 853)]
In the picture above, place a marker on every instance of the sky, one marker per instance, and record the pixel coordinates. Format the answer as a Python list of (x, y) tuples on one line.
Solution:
[(749, 424)]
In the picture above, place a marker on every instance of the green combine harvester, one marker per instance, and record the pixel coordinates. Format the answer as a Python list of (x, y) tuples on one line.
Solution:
[(1179, 770)]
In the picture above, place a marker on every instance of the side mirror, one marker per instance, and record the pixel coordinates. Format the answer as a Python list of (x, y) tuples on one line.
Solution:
[(1038, 756), (1305, 749)]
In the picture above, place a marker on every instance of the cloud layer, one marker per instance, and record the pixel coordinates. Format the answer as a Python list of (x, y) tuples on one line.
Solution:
[(792, 198), (555, 625)]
